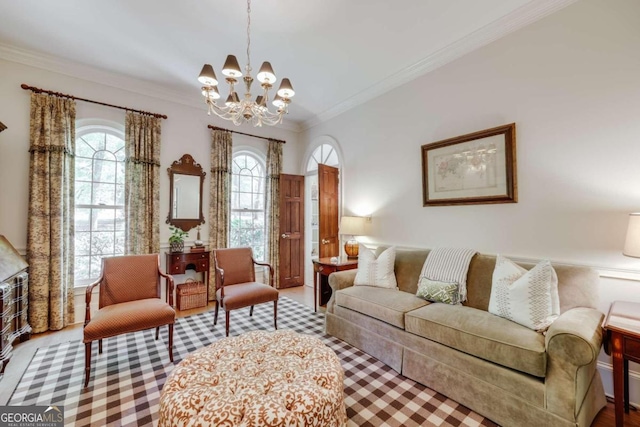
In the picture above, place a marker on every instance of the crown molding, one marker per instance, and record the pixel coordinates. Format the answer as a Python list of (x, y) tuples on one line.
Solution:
[(519, 18), (107, 78)]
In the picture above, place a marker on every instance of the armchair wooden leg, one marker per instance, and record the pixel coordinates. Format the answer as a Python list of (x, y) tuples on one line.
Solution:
[(87, 362), (275, 314), (226, 316), (251, 311), (100, 346), (171, 342), (215, 316), (157, 332)]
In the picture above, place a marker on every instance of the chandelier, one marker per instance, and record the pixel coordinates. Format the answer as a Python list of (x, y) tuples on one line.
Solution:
[(247, 110)]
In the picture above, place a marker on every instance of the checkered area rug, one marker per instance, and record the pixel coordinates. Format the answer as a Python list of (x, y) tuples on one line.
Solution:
[(127, 378)]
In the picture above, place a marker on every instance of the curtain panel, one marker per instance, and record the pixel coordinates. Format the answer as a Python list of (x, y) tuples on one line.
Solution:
[(50, 229), (274, 169), (219, 197), (142, 183)]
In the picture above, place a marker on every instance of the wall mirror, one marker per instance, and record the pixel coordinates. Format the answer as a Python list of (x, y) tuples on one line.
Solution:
[(186, 181)]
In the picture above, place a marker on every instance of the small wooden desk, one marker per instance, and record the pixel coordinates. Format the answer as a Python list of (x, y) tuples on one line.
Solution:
[(179, 262), (622, 326), (322, 268)]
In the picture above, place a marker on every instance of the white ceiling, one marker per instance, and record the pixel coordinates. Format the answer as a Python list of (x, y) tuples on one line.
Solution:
[(337, 53)]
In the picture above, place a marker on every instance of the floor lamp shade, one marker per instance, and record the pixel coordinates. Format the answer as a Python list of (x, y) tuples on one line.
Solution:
[(632, 242), (352, 226)]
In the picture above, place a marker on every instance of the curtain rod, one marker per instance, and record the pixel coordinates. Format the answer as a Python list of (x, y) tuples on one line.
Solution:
[(64, 95), (247, 134)]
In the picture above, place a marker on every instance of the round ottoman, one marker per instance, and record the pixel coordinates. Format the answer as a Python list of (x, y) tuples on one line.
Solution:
[(259, 378)]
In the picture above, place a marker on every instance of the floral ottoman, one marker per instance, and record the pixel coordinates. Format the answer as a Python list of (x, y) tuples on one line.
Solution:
[(259, 378)]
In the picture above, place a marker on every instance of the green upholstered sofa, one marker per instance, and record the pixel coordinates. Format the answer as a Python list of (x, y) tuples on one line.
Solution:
[(498, 368)]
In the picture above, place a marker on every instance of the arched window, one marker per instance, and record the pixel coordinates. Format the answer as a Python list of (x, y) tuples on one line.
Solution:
[(99, 199), (324, 154), (248, 203)]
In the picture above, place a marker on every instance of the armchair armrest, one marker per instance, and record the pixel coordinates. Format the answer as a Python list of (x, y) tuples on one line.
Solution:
[(170, 286), (339, 280), (576, 336), (573, 342), (87, 298), (264, 264)]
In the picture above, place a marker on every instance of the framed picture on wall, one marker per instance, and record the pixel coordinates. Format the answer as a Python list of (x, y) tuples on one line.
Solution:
[(471, 169)]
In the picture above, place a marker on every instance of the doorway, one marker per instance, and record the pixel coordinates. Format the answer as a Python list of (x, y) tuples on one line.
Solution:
[(326, 153)]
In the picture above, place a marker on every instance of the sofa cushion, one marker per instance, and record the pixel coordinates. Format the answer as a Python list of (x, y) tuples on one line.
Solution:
[(387, 305), (481, 334), (376, 270)]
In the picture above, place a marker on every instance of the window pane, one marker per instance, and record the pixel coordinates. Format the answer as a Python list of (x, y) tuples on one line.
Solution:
[(114, 143), (83, 169), (258, 200), (104, 219), (235, 182), (245, 183), (119, 243), (102, 243), (104, 171), (119, 195), (95, 140), (83, 149), (120, 220), (245, 201), (96, 266), (81, 266), (83, 242), (83, 193), (119, 173), (103, 194), (82, 220), (332, 159)]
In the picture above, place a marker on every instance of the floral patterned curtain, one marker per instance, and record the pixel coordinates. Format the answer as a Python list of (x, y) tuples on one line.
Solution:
[(50, 230), (142, 183), (219, 197), (274, 169)]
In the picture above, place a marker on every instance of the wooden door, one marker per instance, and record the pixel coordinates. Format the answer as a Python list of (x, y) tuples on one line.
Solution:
[(328, 211), (291, 231)]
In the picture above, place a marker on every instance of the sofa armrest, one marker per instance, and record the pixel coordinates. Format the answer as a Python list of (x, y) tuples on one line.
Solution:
[(339, 280), (573, 343)]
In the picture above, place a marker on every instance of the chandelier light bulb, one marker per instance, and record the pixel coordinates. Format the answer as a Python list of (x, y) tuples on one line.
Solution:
[(211, 92), (278, 102)]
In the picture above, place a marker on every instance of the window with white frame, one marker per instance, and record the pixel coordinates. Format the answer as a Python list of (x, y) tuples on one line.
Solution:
[(247, 226), (99, 199)]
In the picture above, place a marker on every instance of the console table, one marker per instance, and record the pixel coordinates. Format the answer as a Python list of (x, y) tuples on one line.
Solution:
[(14, 301), (322, 268), (622, 326), (179, 262)]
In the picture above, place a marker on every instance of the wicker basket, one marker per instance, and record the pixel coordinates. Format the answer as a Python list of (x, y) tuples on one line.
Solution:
[(191, 294)]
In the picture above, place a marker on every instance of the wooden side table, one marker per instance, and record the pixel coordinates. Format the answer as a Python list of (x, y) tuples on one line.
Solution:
[(622, 326), (322, 268), (179, 262)]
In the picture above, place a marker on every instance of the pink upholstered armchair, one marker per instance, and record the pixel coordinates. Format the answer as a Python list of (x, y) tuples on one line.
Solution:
[(130, 301), (236, 285)]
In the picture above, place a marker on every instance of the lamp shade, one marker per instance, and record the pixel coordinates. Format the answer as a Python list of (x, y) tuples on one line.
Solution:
[(286, 90), (352, 225), (211, 92), (266, 74), (231, 68), (632, 242), (208, 76)]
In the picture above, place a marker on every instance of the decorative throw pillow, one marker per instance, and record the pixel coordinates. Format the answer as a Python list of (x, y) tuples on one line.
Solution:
[(432, 290), (529, 298), (376, 272)]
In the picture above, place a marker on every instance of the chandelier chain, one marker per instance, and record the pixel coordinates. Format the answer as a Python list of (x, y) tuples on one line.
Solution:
[(248, 36)]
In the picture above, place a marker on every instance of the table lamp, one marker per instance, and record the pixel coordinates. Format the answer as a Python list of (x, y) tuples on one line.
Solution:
[(352, 226), (632, 242)]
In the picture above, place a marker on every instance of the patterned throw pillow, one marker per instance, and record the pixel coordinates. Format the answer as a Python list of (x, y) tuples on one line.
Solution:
[(529, 298), (435, 291), (376, 272)]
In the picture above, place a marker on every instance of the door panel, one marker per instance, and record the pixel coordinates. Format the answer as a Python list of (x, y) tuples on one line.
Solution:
[(291, 231), (328, 181)]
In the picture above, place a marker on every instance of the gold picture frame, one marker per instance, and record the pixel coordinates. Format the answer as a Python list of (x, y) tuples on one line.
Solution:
[(477, 168)]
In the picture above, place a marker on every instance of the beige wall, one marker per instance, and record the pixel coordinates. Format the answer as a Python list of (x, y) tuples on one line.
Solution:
[(571, 83)]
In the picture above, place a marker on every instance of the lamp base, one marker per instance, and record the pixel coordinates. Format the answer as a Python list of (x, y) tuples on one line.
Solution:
[(351, 248)]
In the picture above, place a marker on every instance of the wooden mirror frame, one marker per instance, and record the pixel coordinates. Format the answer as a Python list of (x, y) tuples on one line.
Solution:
[(185, 166)]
